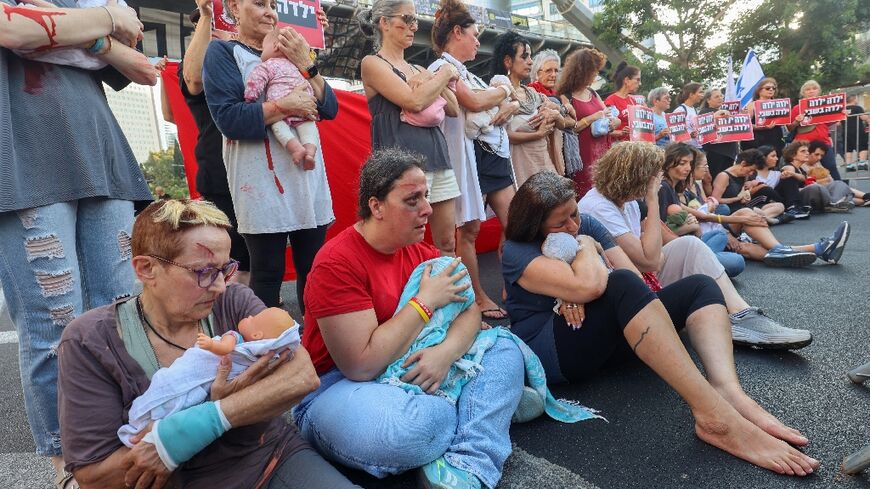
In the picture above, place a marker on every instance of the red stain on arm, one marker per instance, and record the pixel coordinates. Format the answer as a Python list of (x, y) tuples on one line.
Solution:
[(41, 17)]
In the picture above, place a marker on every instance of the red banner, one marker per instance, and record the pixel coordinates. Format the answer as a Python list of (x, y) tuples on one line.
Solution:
[(732, 106), (677, 128), (824, 109), (345, 143), (641, 125), (736, 127), (301, 15), (706, 128), (775, 112), (639, 100)]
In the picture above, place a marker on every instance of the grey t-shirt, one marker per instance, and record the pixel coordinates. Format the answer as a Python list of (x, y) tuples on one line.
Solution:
[(58, 139), (98, 381)]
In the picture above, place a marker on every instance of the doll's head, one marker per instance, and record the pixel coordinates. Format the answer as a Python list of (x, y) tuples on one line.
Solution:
[(561, 246), (270, 46), (819, 172), (267, 324), (674, 208)]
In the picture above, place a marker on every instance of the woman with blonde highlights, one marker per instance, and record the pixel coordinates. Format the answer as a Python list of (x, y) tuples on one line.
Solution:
[(238, 437)]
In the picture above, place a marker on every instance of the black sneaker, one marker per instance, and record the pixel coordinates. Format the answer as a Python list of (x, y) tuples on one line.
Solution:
[(797, 212), (784, 218), (833, 246)]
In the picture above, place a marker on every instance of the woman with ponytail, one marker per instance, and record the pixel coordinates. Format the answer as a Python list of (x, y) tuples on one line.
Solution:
[(626, 80), (399, 96), (481, 163)]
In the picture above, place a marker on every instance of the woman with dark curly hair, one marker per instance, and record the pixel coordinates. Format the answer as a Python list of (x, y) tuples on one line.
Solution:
[(581, 68), (536, 118)]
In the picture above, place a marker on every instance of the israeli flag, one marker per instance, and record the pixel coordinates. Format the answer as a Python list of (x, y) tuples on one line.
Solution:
[(750, 76)]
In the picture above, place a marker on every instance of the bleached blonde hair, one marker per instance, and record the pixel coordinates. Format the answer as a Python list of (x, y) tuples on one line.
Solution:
[(158, 229)]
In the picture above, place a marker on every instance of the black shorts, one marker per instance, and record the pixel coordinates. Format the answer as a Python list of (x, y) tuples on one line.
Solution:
[(493, 172)]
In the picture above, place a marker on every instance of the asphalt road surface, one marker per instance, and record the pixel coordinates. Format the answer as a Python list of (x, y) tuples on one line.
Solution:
[(648, 441)]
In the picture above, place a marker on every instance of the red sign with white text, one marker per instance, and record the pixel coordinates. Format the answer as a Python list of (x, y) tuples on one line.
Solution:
[(775, 112), (707, 128), (735, 127), (824, 109), (301, 15), (641, 125), (677, 128), (732, 106)]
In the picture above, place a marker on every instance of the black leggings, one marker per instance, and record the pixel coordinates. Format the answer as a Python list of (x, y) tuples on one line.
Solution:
[(790, 190), (238, 248), (600, 341), (268, 262), (765, 195)]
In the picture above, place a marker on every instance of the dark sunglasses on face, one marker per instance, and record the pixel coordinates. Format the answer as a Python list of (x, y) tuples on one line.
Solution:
[(408, 19), (205, 276), (769, 87)]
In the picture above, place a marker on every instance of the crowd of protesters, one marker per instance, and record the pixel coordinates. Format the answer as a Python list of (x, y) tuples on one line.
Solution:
[(655, 234)]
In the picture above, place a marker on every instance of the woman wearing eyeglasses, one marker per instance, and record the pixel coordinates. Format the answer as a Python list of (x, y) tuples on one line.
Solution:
[(403, 100), (107, 356), (765, 134)]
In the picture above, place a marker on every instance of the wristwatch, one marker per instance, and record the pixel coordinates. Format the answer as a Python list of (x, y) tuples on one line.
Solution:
[(310, 72)]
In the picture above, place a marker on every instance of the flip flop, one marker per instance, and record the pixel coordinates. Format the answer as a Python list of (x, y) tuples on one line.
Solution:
[(496, 313)]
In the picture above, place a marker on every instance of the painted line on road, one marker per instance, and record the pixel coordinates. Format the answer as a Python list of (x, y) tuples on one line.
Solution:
[(8, 337)]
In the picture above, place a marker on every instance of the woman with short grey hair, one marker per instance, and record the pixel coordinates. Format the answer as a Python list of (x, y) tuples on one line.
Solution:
[(541, 58), (659, 100), (398, 92)]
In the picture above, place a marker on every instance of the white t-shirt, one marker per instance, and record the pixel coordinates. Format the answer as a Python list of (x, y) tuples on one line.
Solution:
[(617, 221), (772, 179), (691, 121)]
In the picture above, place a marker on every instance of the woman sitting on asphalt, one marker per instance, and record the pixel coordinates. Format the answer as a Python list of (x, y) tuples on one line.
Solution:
[(680, 173), (354, 331), (737, 187), (842, 195), (781, 182), (610, 316), (238, 438), (633, 170)]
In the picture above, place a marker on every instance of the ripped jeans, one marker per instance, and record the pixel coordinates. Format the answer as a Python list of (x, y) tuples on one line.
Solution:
[(56, 262)]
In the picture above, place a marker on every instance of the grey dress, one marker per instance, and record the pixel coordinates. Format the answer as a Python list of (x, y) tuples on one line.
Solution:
[(388, 131)]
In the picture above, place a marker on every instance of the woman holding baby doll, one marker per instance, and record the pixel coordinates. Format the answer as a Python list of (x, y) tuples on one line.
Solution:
[(275, 198), (238, 438), (480, 156), (408, 103), (69, 182), (354, 330), (537, 117), (608, 317)]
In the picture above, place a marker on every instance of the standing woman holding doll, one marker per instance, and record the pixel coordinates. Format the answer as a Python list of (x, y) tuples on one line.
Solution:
[(407, 104), (480, 159)]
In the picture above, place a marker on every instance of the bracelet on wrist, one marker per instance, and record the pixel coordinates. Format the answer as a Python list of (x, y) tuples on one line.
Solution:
[(421, 309), (111, 17)]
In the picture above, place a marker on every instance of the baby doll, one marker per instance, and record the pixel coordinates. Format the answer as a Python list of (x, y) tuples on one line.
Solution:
[(561, 246), (432, 115), (820, 175), (187, 382), (477, 123), (677, 217), (277, 76)]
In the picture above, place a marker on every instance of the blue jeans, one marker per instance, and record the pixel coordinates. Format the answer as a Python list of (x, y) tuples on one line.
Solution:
[(384, 430), (56, 262), (717, 240)]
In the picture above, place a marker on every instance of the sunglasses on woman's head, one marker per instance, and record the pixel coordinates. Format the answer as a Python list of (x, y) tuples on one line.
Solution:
[(408, 19)]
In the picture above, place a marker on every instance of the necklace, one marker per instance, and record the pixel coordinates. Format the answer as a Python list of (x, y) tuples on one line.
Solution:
[(145, 321)]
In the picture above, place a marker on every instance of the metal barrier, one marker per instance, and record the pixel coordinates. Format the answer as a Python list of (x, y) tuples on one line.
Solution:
[(850, 138)]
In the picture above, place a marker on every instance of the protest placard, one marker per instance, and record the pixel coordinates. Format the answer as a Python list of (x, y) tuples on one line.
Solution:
[(638, 100), (736, 127), (706, 127), (677, 128), (301, 15), (824, 109), (640, 124), (775, 112), (732, 106)]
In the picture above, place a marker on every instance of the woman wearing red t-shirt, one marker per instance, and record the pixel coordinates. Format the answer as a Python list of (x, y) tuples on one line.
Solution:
[(627, 82), (353, 332), (815, 132)]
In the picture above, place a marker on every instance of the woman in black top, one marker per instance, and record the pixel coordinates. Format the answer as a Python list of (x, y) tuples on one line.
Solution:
[(733, 187)]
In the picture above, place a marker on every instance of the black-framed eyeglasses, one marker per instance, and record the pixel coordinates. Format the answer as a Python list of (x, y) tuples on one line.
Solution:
[(205, 276), (408, 19)]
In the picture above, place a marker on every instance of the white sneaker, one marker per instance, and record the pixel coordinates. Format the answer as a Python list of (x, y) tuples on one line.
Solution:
[(757, 330)]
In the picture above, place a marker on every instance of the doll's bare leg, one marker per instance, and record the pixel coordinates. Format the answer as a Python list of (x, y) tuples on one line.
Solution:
[(308, 135), (287, 137), (221, 347)]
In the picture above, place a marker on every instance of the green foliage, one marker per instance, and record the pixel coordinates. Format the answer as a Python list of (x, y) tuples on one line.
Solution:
[(796, 40), (166, 169)]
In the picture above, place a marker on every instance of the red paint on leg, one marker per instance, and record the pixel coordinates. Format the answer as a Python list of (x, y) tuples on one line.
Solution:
[(272, 166), (41, 17)]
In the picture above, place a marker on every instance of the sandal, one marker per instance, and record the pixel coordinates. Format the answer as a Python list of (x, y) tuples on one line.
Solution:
[(65, 481)]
